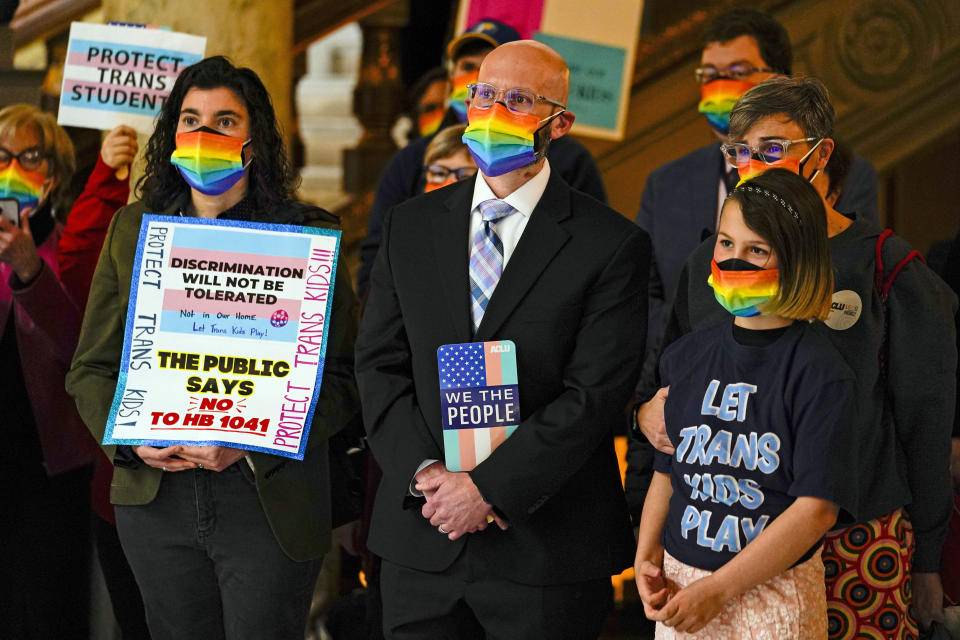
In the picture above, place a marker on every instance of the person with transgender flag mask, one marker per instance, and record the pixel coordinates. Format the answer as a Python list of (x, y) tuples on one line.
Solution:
[(224, 543)]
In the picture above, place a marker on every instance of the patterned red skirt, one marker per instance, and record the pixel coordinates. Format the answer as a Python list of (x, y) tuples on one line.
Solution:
[(867, 569)]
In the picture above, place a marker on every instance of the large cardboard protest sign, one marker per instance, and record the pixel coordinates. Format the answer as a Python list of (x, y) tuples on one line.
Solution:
[(226, 335), (122, 75)]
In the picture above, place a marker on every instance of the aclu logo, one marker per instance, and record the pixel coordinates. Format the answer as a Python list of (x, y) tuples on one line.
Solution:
[(844, 308), (500, 348)]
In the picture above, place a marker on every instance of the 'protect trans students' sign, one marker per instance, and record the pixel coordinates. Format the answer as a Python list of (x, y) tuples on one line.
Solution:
[(122, 75)]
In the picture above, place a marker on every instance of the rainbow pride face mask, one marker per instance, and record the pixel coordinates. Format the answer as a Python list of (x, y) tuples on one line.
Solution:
[(21, 185), (458, 93), (500, 140), (209, 161), (717, 99), (433, 186), (740, 286), (755, 167), (429, 122)]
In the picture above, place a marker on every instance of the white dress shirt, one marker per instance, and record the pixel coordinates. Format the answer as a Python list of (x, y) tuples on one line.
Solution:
[(524, 200)]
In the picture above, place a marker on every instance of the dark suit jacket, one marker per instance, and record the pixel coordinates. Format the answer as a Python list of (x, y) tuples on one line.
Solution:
[(678, 209), (403, 179), (570, 298)]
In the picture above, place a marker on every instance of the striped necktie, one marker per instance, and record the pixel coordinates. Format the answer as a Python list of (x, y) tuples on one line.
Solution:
[(486, 257)]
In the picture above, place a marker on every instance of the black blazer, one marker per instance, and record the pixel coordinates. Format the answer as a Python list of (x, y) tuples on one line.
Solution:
[(573, 299)]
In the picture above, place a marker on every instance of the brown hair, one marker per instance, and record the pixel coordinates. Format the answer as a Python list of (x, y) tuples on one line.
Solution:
[(447, 142), (54, 141), (786, 211), (803, 100)]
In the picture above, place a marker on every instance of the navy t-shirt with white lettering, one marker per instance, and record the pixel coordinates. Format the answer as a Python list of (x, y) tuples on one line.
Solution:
[(754, 427)]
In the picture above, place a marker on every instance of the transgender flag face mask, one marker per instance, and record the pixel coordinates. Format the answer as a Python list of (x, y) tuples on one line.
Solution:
[(209, 161)]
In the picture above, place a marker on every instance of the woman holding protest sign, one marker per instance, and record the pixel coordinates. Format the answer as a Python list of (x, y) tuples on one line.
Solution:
[(45, 457), (225, 543)]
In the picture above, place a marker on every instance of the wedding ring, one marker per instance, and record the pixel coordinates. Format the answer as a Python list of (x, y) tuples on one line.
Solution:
[(199, 465), (442, 530)]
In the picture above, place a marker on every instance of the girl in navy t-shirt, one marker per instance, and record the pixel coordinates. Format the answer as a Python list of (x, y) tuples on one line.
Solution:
[(758, 412)]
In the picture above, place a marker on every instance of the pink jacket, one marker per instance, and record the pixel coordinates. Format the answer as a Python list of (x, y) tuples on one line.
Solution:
[(48, 325)]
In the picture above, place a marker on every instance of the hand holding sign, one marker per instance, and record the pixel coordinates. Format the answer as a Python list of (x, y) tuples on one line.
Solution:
[(212, 458), (162, 458), (118, 150)]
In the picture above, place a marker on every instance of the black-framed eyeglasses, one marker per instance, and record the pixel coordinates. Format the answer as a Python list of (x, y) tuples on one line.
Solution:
[(770, 151), (440, 173), (709, 73), (30, 159), (484, 96)]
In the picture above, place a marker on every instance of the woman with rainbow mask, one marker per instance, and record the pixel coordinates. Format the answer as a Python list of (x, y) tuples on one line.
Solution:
[(224, 543), (44, 544)]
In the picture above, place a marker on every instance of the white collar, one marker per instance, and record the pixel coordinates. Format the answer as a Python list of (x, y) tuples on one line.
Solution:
[(524, 199)]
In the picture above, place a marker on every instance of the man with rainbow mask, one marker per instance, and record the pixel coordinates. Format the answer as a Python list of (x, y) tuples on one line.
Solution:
[(523, 545), (681, 199), (403, 177)]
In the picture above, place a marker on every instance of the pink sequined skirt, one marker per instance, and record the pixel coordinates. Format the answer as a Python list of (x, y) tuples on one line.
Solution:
[(790, 605)]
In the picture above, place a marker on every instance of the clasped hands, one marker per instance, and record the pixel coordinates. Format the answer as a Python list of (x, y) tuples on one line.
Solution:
[(686, 610), (180, 457), (454, 504)]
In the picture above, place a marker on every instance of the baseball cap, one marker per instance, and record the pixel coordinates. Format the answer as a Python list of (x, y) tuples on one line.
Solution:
[(493, 32)]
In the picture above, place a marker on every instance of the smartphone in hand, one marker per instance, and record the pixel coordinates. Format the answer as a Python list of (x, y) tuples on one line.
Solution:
[(10, 210)]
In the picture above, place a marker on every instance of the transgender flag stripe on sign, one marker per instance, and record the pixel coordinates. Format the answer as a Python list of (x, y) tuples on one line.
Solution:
[(477, 379)]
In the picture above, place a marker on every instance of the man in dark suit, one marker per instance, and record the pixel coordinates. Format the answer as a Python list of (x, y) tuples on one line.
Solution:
[(681, 199), (403, 176), (569, 283)]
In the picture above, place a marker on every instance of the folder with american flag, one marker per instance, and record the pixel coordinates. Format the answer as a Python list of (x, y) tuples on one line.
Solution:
[(480, 399)]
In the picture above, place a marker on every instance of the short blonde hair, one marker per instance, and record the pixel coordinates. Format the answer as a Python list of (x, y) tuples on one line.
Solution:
[(447, 142), (54, 141)]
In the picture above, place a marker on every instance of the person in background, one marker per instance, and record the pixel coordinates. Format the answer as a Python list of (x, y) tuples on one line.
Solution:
[(247, 567), (428, 103), (106, 191), (402, 178), (681, 200), (899, 340), (46, 452), (447, 159)]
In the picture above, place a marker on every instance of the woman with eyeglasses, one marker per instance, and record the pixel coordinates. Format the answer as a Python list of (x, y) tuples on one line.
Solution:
[(447, 159), (46, 452), (224, 543)]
